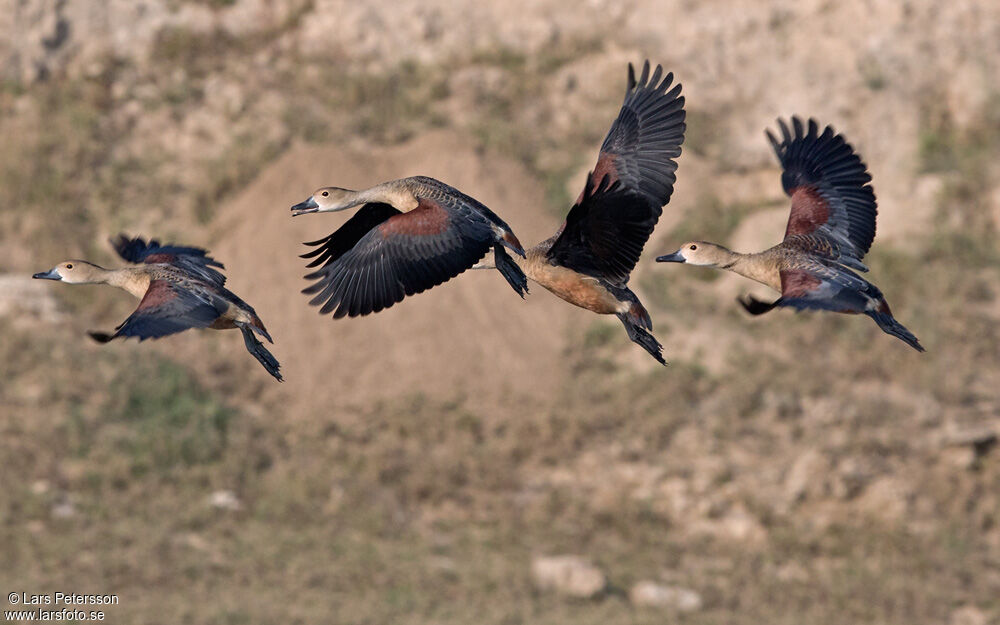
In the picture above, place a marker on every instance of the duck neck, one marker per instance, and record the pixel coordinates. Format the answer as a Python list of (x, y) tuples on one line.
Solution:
[(535, 261), (391, 193), (127, 279), (753, 266)]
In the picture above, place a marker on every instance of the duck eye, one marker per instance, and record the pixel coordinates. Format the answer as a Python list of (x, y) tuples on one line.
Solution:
[(69, 265), (693, 247), (326, 194)]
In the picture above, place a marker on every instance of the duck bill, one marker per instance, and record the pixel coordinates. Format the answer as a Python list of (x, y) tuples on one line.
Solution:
[(51, 274), (676, 257), (304, 208)]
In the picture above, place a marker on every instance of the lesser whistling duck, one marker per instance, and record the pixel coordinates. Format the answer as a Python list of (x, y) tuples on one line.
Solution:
[(408, 236), (587, 262), (831, 227), (179, 288)]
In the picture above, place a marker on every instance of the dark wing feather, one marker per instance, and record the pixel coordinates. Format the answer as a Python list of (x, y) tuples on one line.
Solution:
[(623, 197), (828, 184), (822, 246), (191, 259), (827, 286), (605, 232), (646, 137), (168, 308), (405, 254), (331, 248)]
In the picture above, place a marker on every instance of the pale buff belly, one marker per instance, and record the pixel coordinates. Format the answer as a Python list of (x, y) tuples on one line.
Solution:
[(581, 291)]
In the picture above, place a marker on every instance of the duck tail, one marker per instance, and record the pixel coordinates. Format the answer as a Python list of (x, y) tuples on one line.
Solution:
[(258, 327), (636, 325), (889, 325), (511, 241), (639, 315), (510, 271), (258, 351)]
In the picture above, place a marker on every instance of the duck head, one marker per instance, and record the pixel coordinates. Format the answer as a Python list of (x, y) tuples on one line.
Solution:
[(72, 272), (698, 253), (326, 200)]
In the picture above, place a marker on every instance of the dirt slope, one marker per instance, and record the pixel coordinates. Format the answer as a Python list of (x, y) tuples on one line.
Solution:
[(449, 342)]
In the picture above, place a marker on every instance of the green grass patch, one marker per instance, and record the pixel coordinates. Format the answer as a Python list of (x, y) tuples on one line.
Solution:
[(392, 105), (229, 172), (169, 419), (713, 220), (944, 147), (51, 162), (964, 232)]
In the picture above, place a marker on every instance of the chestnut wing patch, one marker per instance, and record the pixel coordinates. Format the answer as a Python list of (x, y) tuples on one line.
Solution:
[(427, 219), (646, 137), (797, 283), (168, 308), (194, 260), (403, 255), (605, 169), (826, 286), (605, 232), (809, 211), (829, 187)]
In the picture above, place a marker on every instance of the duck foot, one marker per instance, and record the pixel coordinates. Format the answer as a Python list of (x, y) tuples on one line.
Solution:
[(755, 306)]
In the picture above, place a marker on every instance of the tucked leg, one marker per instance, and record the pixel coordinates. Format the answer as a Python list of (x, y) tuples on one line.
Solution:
[(755, 306)]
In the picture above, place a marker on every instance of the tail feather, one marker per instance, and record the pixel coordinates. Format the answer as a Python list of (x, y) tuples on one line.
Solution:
[(640, 316), (889, 325), (511, 241), (258, 351), (258, 327), (639, 335), (510, 271)]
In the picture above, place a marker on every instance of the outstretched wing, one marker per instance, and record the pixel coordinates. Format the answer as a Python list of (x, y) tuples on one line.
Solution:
[(191, 259), (643, 142), (166, 309), (831, 197), (605, 231), (331, 248), (405, 254), (612, 220)]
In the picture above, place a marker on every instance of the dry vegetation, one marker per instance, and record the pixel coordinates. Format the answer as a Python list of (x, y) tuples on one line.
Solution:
[(788, 468)]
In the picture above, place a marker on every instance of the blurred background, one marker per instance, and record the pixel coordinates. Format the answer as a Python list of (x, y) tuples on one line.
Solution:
[(467, 455)]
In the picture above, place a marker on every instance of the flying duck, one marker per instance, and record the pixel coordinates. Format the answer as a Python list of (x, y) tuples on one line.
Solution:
[(830, 229), (178, 287), (408, 236), (587, 262)]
